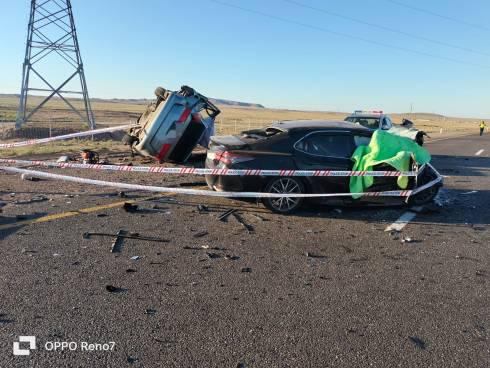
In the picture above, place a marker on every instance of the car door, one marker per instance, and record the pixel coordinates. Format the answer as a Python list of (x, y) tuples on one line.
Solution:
[(325, 151)]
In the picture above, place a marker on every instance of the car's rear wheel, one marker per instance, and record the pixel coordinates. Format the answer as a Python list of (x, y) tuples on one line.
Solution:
[(285, 185)]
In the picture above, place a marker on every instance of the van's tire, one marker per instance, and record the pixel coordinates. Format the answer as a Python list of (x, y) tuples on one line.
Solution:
[(283, 185)]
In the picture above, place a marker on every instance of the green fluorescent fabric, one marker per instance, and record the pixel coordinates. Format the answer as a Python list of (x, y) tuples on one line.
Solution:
[(389, 149)]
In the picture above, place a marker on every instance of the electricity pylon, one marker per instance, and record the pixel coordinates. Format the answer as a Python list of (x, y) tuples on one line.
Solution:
[(51, 33)]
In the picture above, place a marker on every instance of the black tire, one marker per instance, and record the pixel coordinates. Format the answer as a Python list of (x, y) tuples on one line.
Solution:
[(284, 205)]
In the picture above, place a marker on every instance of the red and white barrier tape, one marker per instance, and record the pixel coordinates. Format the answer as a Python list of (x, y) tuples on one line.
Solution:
[(33, 142), (216, 172), (147, 188)]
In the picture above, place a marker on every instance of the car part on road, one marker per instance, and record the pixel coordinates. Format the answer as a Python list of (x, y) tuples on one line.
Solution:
[(224, 216), (35, 199), (240, 219), (313, 255), (114, 289), (88, 235), (200, 234), (201, 208), (118, 241), (171, 127), (28, 177), (129, 207)]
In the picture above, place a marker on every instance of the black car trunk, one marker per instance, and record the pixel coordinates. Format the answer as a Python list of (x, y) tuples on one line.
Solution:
[(229, 142)]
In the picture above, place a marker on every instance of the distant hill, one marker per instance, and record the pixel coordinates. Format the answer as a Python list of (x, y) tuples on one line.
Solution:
[(217, 101)]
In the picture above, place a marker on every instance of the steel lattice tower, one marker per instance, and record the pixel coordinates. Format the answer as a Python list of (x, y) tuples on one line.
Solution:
[(52, 33)]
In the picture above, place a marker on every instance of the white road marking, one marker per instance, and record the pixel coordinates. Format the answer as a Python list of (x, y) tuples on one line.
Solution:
[(399, 224), (479, 152), (472, 192)]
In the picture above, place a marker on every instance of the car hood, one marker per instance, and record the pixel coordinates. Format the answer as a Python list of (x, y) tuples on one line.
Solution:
[(404, 132)]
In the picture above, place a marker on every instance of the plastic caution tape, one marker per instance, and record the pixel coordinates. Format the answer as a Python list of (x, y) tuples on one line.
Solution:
[(147, 188), (33, 142), (216, 172)]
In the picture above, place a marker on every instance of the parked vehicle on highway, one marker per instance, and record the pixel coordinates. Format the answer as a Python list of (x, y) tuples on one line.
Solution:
[(172, 126), (378, 120), (304, 145)]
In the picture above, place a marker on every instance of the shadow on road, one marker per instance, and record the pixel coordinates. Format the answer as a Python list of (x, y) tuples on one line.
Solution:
[(461, 165)]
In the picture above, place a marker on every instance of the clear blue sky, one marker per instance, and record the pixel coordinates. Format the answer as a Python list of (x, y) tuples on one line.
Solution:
[(129, 47)]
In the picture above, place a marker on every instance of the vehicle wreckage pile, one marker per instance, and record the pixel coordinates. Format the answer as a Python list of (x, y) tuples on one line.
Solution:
[(362, 160)]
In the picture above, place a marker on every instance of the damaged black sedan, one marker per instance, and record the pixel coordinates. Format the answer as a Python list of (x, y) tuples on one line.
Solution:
[(308, 145)]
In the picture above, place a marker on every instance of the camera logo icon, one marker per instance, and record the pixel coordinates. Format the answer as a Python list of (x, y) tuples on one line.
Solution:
[(24, 339)]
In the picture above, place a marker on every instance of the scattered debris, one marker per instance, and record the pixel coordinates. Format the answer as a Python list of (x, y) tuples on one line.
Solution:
[(113, 289), (263, 219), (150, 312), (101, 215), (419, 343), (478, 227), (35, 199), (130, 270), (135, 258), (246, 269), (201, 208), (136, 236), (63, 159), (159, 208), (29, 177), (395, 234), (213, 255), (131, 359), (240, 219), (224, 216), (118, 241), (129, 207), (193, 184), (480, 273), (407, 239), (312, 255), (200, 234), (232, 258)]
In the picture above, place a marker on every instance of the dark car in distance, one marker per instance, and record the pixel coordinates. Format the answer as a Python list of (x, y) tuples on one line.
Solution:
[(303, 145)]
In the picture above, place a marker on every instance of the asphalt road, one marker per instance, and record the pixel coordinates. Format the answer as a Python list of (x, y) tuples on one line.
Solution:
[(324, 288)]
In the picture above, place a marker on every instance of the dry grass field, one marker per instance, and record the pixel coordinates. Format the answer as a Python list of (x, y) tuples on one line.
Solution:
[(56, 118)]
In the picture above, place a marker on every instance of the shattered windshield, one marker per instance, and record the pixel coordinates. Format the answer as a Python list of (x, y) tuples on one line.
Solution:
[(368, 122)]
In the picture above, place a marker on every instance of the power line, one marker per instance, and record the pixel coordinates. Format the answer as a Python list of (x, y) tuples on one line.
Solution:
[(379, 26), (434, 14), (346, 35)]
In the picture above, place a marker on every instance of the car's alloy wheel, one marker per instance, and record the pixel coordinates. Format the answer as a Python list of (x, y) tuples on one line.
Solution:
[(284, 205)]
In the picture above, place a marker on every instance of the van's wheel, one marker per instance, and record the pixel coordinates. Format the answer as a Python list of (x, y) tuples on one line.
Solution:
[(284, 205)]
